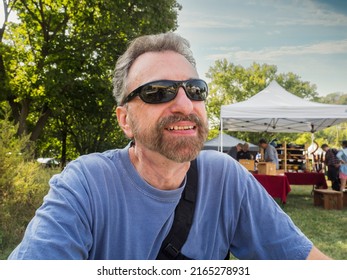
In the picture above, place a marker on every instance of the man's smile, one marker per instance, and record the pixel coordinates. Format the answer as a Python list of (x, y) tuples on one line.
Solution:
[(186, 127)]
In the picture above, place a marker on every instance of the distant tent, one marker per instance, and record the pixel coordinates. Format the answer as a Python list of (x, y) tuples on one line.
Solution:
[(228, 142)]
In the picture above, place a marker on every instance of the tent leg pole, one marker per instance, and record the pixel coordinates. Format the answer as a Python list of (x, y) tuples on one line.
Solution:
[(313, 167), (221, 135)]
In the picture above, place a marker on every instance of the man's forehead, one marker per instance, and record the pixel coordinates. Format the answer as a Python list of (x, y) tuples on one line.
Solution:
[(156, 60), (151, 66)]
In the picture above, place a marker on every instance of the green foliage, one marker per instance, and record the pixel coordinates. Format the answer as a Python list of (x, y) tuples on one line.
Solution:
[(334, 98), (213, 133), (292, 83), (58, 62), (21, 184), (233, 83)]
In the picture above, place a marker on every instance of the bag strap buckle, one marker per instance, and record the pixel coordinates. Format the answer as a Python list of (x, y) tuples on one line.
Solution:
[(171, 251)]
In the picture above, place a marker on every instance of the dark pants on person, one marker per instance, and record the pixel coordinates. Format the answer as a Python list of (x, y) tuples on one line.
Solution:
[(333, 176)]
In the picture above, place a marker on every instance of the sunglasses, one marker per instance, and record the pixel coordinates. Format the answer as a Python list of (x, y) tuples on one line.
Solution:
[(162, 91)]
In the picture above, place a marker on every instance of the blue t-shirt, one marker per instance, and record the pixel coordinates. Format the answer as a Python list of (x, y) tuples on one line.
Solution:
[(271, 155), (342, 155), (100, 208)]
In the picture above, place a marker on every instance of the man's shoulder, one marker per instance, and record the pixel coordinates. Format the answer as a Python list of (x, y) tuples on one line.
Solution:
[(96, 161), (212, 154), (272, 147), (331, 153), (91, 171), (109, 154), (214, 159)]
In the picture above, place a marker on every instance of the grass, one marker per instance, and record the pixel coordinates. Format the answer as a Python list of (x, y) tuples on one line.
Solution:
[(326, 228)]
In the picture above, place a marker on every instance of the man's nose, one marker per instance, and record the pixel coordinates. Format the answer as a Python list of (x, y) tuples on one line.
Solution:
[(182, 104)]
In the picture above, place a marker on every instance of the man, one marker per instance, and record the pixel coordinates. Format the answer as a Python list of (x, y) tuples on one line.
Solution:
[(234, 150), (244, 153), (120, 204), (333, 164), (270, 153)]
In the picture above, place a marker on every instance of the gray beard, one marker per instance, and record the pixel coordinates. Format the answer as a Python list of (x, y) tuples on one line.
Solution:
[(179, 149)]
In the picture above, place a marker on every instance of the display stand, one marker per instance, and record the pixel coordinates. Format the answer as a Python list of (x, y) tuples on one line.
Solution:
[(292, 158)]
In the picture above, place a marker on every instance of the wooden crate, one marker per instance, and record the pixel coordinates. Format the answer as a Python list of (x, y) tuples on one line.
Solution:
[(329, 199), (247, 163), (280, 171), (267, 168)]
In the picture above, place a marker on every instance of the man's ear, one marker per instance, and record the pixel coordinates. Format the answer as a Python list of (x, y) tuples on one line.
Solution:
[(122, 117)]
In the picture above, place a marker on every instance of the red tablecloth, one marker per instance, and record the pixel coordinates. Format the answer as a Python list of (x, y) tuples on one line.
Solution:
[(276, 186), (307, 178)]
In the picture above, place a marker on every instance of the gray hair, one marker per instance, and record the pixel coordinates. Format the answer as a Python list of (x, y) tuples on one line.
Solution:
[(148, 43)]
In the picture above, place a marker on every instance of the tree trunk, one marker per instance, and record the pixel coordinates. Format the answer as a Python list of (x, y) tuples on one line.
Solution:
[(22, 121), (40, 124), (63, 145), (15, 108)]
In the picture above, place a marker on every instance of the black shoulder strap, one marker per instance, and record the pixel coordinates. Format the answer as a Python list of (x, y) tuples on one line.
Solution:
[(184, 213)]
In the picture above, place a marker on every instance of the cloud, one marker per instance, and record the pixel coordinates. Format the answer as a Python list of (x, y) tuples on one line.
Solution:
[(306, 37), (203, 20), (314, 18), (267, 54), (335, 5), (215, 23), (293, 13)]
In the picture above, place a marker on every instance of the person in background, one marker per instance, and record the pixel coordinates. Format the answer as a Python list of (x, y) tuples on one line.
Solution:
[(234, 150), (270, 152), (333, 164), (342, 156), (244, 153)]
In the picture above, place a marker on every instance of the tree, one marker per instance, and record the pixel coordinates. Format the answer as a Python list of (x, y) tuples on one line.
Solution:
[(292, 83), (7, 8), (234, 83), (338, 98), (333, 135), (61, 47)]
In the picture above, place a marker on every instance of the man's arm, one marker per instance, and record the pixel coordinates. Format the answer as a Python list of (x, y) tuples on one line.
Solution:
[(315, 254)]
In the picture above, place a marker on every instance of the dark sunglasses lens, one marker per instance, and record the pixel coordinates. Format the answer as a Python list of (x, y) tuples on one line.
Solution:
[(158, 92), (197, 90)]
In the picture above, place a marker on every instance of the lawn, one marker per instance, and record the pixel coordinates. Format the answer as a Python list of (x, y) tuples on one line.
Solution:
[(326, 228)]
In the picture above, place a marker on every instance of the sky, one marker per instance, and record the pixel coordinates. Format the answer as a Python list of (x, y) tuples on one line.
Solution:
[(306, 37)]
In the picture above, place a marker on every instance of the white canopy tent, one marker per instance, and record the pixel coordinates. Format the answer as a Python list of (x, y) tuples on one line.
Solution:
[(276, 110), (228, 142)]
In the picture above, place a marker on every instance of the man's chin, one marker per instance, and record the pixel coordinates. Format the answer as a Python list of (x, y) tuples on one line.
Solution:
[(183, 153), (181, 158)]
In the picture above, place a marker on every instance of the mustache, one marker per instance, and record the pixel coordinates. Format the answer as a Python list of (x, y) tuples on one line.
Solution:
[(167, 121)]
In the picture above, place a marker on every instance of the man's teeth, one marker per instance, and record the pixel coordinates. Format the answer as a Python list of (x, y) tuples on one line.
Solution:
[(181, 127)]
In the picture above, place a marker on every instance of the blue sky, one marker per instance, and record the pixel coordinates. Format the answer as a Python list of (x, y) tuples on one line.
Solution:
[(306, 37)]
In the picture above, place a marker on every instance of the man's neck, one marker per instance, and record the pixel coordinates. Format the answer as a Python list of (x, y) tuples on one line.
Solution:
[(157, 170)]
